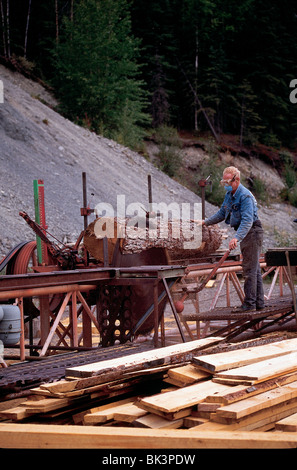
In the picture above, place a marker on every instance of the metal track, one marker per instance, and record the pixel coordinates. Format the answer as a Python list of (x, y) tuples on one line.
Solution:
[(24, 375)]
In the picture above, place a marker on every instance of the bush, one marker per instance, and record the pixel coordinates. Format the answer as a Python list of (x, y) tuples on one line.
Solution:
[(169, 156)]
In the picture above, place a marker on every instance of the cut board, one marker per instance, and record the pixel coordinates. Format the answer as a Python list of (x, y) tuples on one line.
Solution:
[(259, 402), (166, 355), (240, 392), (241, 357), (170, 402), (187, 374), (157, 422), (123, 412), (262, 370), (288, 424), (38, 436)]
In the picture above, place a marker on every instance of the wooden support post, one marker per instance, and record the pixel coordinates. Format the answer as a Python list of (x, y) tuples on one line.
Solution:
[(273, 282), (281, 281), (44, 318), (55, 324), (73, 310), (174, 310)]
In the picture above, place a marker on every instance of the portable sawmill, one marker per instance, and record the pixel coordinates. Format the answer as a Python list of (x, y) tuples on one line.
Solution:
[(124, 309)]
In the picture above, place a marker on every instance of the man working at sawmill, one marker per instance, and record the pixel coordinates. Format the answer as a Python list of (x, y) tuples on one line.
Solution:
[(239, 210)]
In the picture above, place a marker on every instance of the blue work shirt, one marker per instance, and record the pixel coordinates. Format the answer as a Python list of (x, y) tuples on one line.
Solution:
[(239, 210)]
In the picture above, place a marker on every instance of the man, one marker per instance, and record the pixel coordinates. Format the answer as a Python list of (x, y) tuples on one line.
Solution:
[(239, 209)]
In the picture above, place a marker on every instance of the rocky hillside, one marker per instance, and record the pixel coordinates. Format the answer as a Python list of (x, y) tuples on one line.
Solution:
[(38, 143)]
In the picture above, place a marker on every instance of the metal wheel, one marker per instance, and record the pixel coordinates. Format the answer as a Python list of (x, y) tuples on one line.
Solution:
[(24, 262)]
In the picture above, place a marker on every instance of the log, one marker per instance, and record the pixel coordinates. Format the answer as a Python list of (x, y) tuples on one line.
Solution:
[(180, 240)]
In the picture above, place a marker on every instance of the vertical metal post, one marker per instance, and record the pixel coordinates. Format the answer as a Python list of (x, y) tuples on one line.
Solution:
[(156, 314), (291, 283), (150, 195), (38, 186), (84, 182), (20, 303)]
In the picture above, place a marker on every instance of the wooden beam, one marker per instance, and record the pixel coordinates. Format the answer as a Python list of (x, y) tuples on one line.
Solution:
[(241, 357), (169, 354), (263, 370), (39, 436)]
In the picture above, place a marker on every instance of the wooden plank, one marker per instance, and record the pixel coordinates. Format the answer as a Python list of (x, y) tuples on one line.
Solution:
[(148, 359), (240, 392), (288, 424), (264, 400), (232, 382), (264, 369), (170, 416), (34, 436), (15, 414), (241, 357), (126, 412), (157, 422), (46, 404), (188, 374), (101, 414), (182, 398), (129, 413), (192, 421), (265, 417)]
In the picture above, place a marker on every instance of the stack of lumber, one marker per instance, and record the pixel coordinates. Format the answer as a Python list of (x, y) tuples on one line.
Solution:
[(248, 389), (103, 381)]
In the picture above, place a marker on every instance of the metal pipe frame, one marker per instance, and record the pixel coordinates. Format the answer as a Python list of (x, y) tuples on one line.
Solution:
[(72, 284), (229, 273)]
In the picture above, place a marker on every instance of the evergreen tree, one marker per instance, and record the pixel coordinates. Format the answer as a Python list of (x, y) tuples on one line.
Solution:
[(96, 71)]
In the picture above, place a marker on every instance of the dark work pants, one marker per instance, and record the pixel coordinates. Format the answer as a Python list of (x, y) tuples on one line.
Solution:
[(251, 247)]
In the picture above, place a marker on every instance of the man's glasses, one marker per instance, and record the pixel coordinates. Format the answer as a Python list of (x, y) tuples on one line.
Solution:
[(224, 182)]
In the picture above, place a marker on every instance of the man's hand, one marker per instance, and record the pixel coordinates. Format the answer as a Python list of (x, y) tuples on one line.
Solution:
[(233, 243)]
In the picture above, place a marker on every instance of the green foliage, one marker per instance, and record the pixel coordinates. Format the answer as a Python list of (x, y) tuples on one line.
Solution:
[(190, 64), (212, 166), (289, 193), (259, 190), (169, 155), (96, 72)]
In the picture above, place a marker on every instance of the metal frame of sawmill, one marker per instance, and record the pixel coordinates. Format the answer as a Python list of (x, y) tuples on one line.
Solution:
[(71, 285), (227, 275)]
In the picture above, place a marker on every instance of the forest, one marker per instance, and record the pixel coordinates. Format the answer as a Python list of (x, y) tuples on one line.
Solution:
[(126, 67)]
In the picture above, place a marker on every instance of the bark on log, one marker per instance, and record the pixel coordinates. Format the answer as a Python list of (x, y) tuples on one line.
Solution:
[(181, 240)]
